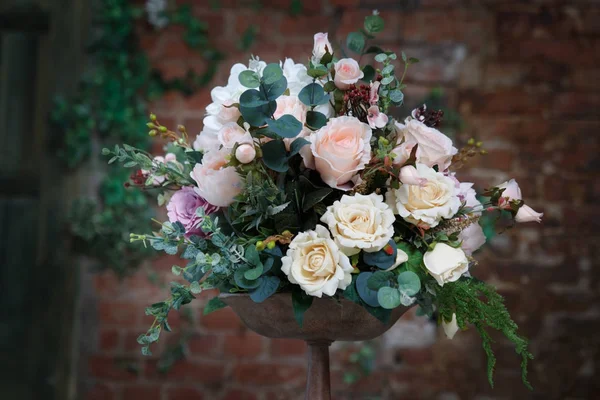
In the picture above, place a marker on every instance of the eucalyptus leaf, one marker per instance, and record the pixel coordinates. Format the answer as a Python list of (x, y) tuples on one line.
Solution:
[(253, 98), (258, 116), (297, 145), (367, 295), (313, 95), (388, 297), (315, 120), (254, 273), (368, 73), (374, 24), (242, 281), (275, 156), (249, 79), (272, 73), (272, 91), (355, 41), (387, 80), (301, 302), (381, 57), (396, 96), (213, 304), (286, 126), (380, 279), (268, 287), (409, 283)]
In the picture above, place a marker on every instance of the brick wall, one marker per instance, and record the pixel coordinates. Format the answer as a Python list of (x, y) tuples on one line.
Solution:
[(524, 75)]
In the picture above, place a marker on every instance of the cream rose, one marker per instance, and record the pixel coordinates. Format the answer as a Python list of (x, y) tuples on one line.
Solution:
[(320, 47), (428, 204), (340, 150), (445, 263), (231, 133), (315, 262), (347, 72), (450, 328), (360, 222), (434, 148), (217, 185)]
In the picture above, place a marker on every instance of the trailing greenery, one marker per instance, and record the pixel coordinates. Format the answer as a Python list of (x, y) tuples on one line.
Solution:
[(475, 302)]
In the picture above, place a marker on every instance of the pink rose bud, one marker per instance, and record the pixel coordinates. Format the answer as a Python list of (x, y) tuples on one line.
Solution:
[(374, 92), (527, 214), (347, 72), (410, 176), (245, 153), (511, 192), (376, 119), (320, 46)]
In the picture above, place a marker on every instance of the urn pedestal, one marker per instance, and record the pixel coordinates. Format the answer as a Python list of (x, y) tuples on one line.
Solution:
[(326, 321)]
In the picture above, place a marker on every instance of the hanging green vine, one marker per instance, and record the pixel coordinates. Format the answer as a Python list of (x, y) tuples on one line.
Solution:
[(110, 106)]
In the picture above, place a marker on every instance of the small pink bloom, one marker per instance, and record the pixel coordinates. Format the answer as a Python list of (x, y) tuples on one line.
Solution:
[(245, 153), (410, 176), (527, 214), (376, 119), (347, 72), (374, 92)]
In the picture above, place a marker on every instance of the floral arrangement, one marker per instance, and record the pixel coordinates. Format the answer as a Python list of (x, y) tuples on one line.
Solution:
[(302, 182)]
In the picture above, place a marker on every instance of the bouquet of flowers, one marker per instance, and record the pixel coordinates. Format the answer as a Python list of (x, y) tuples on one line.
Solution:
[(302, 182)]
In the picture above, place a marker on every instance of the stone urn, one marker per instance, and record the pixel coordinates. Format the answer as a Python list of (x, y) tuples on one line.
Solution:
[(325, 321)]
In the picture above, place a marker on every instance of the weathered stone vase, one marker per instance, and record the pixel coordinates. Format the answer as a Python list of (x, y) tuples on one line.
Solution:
[(325, 321)]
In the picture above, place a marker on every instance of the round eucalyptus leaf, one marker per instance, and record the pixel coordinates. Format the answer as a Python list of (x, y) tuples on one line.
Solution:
[(252, 98), (409, 283), (249, 79), (272, 73), (388, 297), (367, 295), (355, 42)]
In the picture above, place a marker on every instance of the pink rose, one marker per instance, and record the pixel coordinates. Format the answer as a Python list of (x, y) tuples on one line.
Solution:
[(376, 119), (320, 46), (410, 176), (401, 153), (347, 72), (231, 133), (182, 208), (245, 153), (340, 150), (527, 214), (228, 112), (216, 183), (290, 105), (467, 194), (512, 191), (434, 148), (472, 238)]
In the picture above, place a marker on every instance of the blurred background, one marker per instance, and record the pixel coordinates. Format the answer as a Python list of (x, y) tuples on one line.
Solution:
[(78, 75)]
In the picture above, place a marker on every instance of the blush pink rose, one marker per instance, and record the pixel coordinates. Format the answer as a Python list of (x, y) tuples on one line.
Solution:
[(434, 148), (231, 133), (290, 105), (340, 150), (216, 183), (182, 208), (347, 72), (472, 238), (320, 47)]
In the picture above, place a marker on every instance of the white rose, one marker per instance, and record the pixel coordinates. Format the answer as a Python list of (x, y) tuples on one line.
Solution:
[(511, 192), (445, 263), (450, 328), (320, 47), (528, 214), (360, 222), (428, 204), (472, 238), (434, 148), (315, 262)]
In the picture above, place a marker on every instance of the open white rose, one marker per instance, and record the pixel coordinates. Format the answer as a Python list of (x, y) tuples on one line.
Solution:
[(315, 262), (434, 148), (428, 204), (360, 222), (450, 328), (445, 263)]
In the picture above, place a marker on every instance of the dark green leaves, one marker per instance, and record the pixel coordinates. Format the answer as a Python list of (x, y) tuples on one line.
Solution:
[(313, 95), (369, 73), (317, 71), (273, 90), (258, 116), (249, 79), (379, 279), (382, 259), (296, 145), (268, 285), (272, 73), (241, 280), (415, 257), (252, 98), (275, 155), (286, 126), (355, 42), (300, 303), (315, 120), (213, 304), (367, 295), (374, 24)]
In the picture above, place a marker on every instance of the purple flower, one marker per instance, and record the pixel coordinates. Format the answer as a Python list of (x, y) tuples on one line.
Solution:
[(182, 207)]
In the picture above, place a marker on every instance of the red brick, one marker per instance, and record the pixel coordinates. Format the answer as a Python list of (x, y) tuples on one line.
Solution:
[(120, 313), (244, 344), (235, 394), (186, 370), (184, 393), (109, 340), (202, 345), (101, 391), (268, 374), (417, 356), (287, 347), (142, 392), (113, 368), (224, 319)]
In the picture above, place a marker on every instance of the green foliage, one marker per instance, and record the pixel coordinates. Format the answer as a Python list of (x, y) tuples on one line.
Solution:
[(388, 297), (478, 303), (213, 305), (355, 42), (384, 258), (366, 294), (300, 303), (313, 95)]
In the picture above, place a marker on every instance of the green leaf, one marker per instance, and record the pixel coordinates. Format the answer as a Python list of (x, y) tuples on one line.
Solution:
[(249, 79), (413, 60), (381, 259), (213, 304), (240, 279), (193, 273), (251, 255), (317, 72), (367, 295), (329, 86), (314, 197), (388, 297), (409, 283), (396, 96), (415, 257), (272, 73), (388, 69), (381, 57), (300, 303), (274, 155), (286, 126), (273, 90), (374, 50), (369, 73), (315, 120), (404, 58), (387, 80), (313, 95), (254, 273), (268, 287), (258, 116), (297, 145), (355, 42), (252, 98), (380, 279), (374, 24)]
